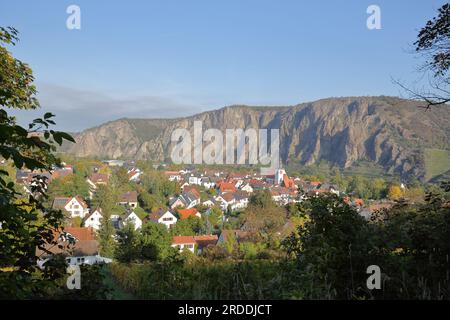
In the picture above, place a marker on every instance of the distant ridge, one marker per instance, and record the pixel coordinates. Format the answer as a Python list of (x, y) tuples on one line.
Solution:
[(388, 131)]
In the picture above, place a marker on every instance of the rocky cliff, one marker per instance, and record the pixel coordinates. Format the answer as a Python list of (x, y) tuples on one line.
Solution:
[(389, 131)]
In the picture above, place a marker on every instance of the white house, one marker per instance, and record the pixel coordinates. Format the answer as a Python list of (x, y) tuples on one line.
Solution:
[(94, 220), (165, 217), (225, 200), (75, 206), (131, 216), (184, 243), (241, 202), (87, 260)]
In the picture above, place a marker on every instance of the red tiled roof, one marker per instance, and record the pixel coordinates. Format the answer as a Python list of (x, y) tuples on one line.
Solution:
[(205, 240), (186, 213), (81, 233), (205, 237), (85, 243), (226, 186), (183, 240)]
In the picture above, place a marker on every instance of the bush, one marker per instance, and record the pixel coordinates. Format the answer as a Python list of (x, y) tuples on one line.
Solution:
[(203, 279)]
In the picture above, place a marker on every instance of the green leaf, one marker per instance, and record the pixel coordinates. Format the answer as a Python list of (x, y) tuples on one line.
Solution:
[(66, 136), (48, 115)]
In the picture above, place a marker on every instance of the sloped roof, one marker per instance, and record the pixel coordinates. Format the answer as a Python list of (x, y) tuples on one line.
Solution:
[(188, 197), (183, 240), (192, 190), (186, 213), (81, 201), (129, 213), (60, 202), (156, 215), (85, 244), (227, 186), (130, 196), (81, 233), (206, 240)]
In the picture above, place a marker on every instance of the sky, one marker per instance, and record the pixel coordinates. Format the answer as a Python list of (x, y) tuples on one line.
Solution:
[(167, 58)]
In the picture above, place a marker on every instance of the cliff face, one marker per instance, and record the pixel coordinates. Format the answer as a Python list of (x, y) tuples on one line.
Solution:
[(389, 131)]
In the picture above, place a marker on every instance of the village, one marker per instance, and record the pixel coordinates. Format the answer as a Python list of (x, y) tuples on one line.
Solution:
[(201, 191)]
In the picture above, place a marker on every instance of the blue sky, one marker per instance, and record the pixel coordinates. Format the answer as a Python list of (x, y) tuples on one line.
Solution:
[(174, 58)]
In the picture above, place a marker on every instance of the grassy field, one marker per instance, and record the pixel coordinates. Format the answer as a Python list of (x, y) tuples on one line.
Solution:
[(437, 161)]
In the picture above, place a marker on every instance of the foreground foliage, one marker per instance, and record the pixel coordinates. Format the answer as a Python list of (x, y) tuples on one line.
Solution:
[(24, 226), (326, 258)]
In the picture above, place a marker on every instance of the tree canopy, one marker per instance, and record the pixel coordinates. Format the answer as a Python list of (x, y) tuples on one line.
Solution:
[(24, 226)]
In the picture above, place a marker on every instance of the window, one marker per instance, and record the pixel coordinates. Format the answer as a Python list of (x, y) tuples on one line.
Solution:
[(167, 219), (190, 246)]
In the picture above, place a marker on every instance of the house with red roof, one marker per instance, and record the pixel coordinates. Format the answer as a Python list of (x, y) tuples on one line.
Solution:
[(226, 187), (184, 243), (190, 243), (186, 213), (78, 245)]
